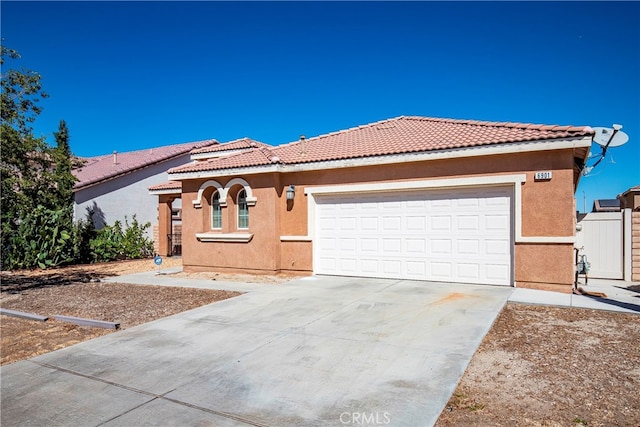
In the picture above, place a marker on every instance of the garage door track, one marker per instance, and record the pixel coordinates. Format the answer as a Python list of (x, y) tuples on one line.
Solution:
[(314, 351)]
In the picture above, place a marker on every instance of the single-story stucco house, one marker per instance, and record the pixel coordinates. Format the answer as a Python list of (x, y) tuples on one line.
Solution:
[(409, 198)]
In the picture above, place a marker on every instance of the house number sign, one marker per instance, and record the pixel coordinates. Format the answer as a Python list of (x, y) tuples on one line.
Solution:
[(543, 176)]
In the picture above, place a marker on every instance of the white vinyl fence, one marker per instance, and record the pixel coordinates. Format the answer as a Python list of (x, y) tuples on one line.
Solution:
[(602, 237)]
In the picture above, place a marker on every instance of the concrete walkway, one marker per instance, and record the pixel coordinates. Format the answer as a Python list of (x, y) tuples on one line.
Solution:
[(314, 351), (167, 277), (618, 297)]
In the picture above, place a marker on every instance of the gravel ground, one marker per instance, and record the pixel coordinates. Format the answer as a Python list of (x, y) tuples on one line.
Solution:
[(551, 366), (76, 291)]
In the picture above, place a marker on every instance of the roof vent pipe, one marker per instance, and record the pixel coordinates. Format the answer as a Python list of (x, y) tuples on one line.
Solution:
[(115, 157), (303, 146)]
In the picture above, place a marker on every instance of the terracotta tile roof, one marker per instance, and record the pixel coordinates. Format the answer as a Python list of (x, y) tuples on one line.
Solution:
[(102, 168), (256, 157), (405, 134), (236, 144), (170, 185)]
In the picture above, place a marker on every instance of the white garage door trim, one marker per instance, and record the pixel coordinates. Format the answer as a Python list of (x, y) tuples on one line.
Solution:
[(451, 235)]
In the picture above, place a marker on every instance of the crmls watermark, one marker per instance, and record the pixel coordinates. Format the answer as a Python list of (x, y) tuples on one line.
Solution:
[(365, 418)]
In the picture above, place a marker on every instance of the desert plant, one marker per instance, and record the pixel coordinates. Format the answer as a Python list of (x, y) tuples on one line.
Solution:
[(40, 240)]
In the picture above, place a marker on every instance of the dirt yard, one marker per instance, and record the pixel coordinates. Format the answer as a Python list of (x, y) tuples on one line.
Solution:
[(76, 291), (547, 366), (538, 366)]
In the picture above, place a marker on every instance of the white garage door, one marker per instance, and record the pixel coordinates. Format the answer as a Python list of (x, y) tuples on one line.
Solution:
[(442, 235)]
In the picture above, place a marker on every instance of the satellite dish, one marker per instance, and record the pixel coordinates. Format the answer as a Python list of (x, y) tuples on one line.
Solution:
[(608, 137)]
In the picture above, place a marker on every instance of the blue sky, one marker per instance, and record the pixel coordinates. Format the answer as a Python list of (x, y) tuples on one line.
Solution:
[(133, 75)]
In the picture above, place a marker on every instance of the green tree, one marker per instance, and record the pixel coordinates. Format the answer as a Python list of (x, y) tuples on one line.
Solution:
[(23, 157), (63, 178), (21, 95), (36, 207)]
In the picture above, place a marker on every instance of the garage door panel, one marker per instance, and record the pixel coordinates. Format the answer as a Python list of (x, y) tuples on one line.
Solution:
[(348, 223), (369, 244), (417, 247), (327, 263), (369, 223), (441, 270), (370, 266), (441, 223), (416, 204), (416, 223), (468, 247), (327, 223), (497, 247), (468, 272), (392, 245), (392, 267), (391, 223), (495, 274), (430, 235), (393, 205), (441, 246), (349, 265), (496, 198), (368, 204), (416, 268), (468, 223), (440, 202), (348, 244), (327, 244), (468, 202), (496, 222)]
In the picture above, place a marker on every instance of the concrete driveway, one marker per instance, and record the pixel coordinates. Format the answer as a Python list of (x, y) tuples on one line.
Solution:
[(315, 351)]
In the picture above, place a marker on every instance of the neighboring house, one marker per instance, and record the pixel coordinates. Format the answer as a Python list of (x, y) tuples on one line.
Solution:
[(116, 185), (630, 199), (606, 205), (409, 198)]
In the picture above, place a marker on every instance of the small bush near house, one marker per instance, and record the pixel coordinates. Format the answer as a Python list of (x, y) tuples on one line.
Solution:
[(115, 243), (84, 232)]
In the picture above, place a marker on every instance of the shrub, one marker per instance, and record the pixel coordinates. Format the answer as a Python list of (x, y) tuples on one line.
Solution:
[(84, 231), (113, 243), (135, 243), (46, 238), (42, 239)]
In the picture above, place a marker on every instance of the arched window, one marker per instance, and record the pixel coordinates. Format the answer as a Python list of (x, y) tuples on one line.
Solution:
[(216, 211), (243, 210)]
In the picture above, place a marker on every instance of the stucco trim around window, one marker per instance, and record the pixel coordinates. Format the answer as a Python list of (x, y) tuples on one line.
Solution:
[(251, 200), (225, 237), (197, 203)]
